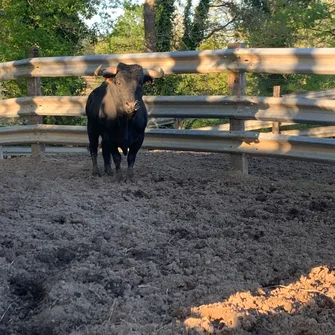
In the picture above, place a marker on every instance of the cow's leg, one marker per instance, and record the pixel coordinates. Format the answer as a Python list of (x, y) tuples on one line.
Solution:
[(117, 161), (106, 154), (93, 137), (133, 150)]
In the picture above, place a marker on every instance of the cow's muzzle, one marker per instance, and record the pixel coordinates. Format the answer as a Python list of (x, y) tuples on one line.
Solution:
[(132, 106)]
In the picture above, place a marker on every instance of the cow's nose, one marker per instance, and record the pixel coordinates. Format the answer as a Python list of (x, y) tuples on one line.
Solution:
[(132, 105)]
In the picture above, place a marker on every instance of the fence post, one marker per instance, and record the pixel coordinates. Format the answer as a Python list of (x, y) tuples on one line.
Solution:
[(177, 123), (236, 86), (34, 89), (276, 124)]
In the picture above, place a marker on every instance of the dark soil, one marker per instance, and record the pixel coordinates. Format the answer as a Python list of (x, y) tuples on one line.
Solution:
[(189, 247)]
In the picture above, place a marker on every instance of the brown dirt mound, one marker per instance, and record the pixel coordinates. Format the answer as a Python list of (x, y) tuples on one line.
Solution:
[(303, 307), (189, 247)]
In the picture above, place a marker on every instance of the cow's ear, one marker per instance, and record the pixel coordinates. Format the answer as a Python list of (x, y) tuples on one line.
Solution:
[(147, 80)]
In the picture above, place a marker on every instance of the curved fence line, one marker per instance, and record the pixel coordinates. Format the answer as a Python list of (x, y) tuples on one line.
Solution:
[(317, 111), (277, 60), (299, 147), (288, 109)]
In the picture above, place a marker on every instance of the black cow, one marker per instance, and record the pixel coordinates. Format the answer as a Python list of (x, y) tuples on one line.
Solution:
[(116, 112)]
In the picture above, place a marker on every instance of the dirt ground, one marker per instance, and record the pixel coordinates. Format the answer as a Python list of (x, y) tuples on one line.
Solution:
[(189, 248)]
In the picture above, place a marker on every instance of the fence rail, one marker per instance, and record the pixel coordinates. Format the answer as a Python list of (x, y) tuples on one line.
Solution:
[(26, 151), (280, 60), (317, 111), (314, 132), (328, 94), (317, 149), (248, 125), (328, 131), (314, 108)]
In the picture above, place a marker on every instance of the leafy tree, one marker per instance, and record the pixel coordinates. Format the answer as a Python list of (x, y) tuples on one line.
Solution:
[(165, 13), (56, 26), (194, 30), (128, 33), (287, 23), (283, 23)]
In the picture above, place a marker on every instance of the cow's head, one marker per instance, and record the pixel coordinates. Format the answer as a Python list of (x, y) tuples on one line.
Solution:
[(127, 81)]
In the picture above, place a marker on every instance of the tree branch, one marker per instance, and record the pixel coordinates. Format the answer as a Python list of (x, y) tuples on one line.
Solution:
[(331, 32), (228, 4), (220, 28)]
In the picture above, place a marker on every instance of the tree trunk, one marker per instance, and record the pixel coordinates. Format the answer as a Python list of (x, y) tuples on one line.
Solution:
[(149, 26)]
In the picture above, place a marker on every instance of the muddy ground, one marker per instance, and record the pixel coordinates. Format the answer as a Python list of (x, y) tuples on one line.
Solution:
[(189, 248)]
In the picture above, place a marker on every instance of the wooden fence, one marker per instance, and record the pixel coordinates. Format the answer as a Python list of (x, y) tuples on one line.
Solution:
[(237, 107)]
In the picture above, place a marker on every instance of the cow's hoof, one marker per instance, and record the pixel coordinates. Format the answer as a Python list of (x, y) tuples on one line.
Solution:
[(96, 172), (130, 177), (109, 171), (117, 177)]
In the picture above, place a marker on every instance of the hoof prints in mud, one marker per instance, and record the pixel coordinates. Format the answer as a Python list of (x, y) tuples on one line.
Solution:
[(29, 289), (59, 257), (28, 295)]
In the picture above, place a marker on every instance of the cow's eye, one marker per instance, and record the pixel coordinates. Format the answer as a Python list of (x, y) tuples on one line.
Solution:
[(118, 82)]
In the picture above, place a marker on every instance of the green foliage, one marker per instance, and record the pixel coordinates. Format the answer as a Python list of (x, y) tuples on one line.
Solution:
[(304, 82), (165, 13), (288, 23), (14, 89), (59, 29), (62, 86), (55, 25), (66, 120), (202, 84), (189, 84), (163, 86), (128, 33), (262, 84), (199, 123), (194, 29)]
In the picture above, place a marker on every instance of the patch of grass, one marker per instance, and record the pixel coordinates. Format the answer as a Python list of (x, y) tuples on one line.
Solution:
[(198, 123), (299, 126)]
